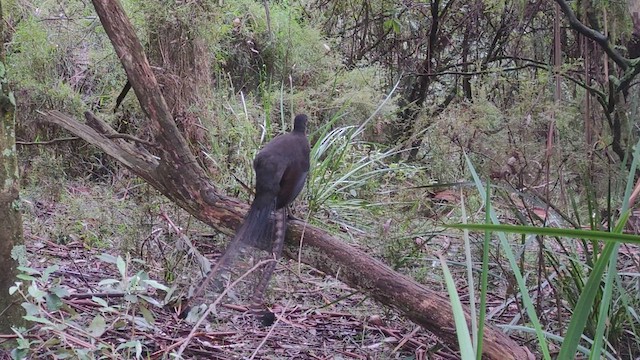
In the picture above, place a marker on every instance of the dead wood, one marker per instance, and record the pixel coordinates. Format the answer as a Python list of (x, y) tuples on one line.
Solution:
[(176, 174)]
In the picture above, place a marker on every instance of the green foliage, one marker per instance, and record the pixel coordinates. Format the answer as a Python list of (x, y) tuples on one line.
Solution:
[(595, 303), (291, 50), (507, 247), (36, 66), (32, 53), (73, 334), (19, 254), (345, 168)]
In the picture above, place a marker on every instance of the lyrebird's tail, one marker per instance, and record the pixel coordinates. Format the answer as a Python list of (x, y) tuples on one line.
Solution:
[(257, 231), (258, 226)]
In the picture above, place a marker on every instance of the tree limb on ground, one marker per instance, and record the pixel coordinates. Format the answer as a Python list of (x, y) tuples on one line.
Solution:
[(176, 174)]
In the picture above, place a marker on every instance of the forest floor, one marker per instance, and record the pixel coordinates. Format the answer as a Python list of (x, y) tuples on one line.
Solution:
[(353, 327), (316, 316)]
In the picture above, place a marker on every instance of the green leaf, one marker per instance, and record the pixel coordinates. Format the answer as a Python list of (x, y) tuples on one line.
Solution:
[(30, 308), (122, 267), (392, 24), (570, 233), (60, 291), (98, 326), (462, 331), (106, 282), (147, 315), (54, 302), (36, 293), (26, 277), (108, 258), (509, 253), (484, 277), (29, 270), (128, 345), (121, 324), (100, 301), (13, 289), (156, 285), (20, 353), (38, 320), (151, 300), (48, 271), (138, 350)]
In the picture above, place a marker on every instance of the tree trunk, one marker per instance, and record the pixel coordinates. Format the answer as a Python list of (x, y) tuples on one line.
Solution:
[(176, 174), (413, 102), (10, 220)]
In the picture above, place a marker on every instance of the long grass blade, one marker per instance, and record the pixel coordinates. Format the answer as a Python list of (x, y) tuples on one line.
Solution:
[(470, 282), (484, 276), (569, 233), (557, 338), (462, 331), (612, 275), (504, 243)]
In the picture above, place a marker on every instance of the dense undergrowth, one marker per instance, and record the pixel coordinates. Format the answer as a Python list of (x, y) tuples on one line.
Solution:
[(234, 78)]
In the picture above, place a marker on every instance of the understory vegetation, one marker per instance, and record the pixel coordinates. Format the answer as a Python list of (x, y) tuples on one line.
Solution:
[(425, 117)]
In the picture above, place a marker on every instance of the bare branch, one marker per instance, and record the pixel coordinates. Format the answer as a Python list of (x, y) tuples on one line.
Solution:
[(599, 38), (48, 142)]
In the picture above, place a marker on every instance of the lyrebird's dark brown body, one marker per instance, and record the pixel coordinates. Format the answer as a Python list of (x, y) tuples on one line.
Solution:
[(281, 170)]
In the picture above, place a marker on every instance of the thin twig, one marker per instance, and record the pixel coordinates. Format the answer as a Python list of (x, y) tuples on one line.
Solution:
[(48, 142), (406, 339)]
